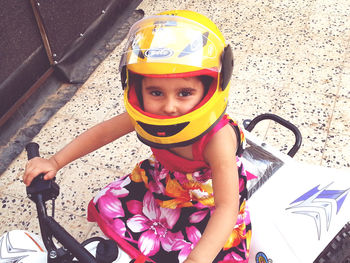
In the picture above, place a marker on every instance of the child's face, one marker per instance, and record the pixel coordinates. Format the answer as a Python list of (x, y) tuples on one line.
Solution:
[(171, 96)]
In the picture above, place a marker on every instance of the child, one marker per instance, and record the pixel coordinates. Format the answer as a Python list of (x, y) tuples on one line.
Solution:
[(186, 203)]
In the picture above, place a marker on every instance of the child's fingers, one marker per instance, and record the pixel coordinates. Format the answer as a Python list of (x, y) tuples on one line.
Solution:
[(30, 175), (50, 175), (30, 166), (37, 166), (31, 171), (27, 177)]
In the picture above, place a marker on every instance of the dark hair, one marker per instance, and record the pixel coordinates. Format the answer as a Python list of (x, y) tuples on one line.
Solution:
[(136, 81), (206, 80)]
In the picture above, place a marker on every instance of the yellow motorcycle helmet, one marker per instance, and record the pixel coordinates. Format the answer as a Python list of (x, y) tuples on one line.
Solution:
[(174, 44)]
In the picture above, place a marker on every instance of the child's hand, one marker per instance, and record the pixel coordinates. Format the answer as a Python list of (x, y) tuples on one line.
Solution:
[(37, 166)]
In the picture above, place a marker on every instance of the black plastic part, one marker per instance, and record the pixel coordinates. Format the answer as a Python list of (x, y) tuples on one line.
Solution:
[(246, 123), (68, 241), (123, 76), (283, 122), (107, 251), (32, 149), (227, 67), (338, 250), (45, 231), (48, 189), (92, 239), (40, 191), (163, 130)]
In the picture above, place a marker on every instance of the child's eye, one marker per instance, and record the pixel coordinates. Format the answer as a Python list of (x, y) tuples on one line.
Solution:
[(156, 93), (185, 93)]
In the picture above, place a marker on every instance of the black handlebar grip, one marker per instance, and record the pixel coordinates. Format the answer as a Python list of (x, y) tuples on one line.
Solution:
[(268, 116), (32, 149)]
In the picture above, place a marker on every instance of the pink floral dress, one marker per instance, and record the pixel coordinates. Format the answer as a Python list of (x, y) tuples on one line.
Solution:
[(159, 211)]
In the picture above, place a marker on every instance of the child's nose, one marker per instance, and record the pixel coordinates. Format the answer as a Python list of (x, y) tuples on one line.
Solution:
[(170, 107)]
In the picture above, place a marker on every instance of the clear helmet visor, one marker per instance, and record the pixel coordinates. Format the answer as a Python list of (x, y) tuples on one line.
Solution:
[(170, 40)]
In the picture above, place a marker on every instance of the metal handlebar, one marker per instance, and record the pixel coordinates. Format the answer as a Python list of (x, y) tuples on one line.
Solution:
[(39, 192)]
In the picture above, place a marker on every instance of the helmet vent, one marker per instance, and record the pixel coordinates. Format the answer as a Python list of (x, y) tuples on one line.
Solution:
[(163, 130)]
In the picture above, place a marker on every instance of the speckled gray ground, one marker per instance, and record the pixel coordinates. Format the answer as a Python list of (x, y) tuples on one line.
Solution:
[(292, 58)]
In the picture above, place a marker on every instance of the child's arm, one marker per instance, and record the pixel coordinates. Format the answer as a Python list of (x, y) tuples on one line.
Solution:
[(220, 154), (92, 139)]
